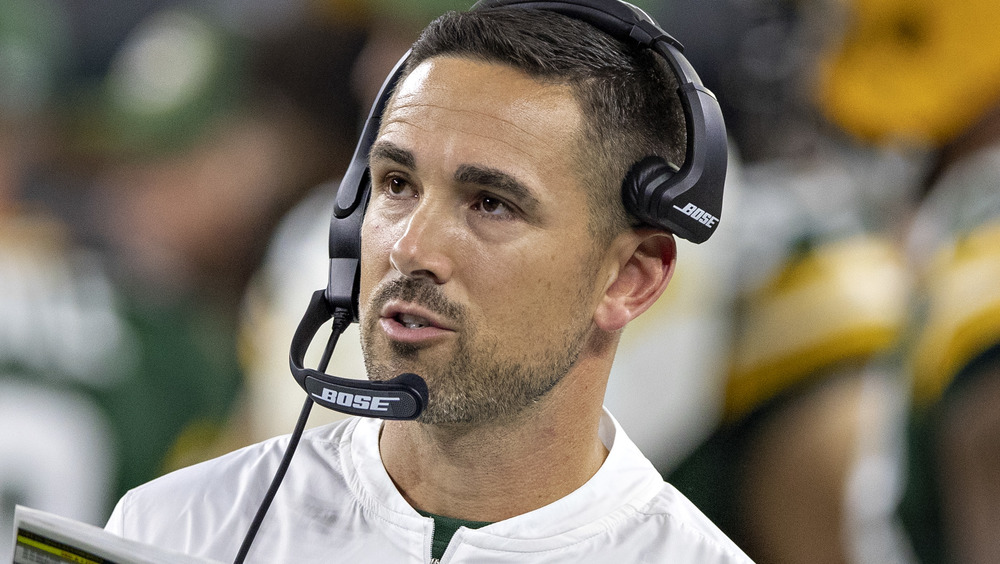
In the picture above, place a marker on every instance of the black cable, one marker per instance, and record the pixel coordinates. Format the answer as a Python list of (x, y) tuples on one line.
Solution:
[(341, 319), (279, 475)]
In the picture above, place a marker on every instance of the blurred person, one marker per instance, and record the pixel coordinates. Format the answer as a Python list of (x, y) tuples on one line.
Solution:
[(87, 369), (513, 442), (829, 443), (810, 390), (206, 135), (930, 76), (951, 506), (60, 338), (810, 382), (203, 138), (78, 405), (133, 209)]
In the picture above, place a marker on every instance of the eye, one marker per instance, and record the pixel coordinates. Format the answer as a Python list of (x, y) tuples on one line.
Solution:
[(397, 187), (493, 207)]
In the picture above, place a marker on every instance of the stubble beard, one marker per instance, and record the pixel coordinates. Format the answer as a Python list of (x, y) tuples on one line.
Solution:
[(483, 381)]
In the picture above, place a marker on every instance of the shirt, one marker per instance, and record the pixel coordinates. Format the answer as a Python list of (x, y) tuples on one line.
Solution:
[(338, 504)]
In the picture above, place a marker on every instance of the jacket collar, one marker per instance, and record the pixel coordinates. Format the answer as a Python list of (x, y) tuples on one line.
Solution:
[(625, 481)]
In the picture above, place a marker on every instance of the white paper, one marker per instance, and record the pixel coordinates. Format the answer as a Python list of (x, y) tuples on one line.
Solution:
[(45, 538)]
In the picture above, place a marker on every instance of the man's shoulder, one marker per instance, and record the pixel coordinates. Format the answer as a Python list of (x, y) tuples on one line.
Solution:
[(205, 508), (650, 515), (682, 524), (232, 478)]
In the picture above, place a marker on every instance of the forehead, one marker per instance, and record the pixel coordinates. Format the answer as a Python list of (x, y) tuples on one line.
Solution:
[(458, 110)]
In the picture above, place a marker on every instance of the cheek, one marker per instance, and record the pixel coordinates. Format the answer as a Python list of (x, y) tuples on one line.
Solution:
[(530, 289), (376, 244)]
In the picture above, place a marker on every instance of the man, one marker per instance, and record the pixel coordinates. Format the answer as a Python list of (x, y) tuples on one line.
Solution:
[(497, 262)]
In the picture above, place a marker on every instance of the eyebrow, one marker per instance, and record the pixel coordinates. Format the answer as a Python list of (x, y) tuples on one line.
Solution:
[(390, 151)]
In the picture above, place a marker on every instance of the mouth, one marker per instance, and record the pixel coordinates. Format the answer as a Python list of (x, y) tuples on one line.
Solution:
[(409, 323)]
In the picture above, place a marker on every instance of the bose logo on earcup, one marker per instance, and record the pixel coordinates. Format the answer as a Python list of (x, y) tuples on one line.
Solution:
[(698, 214)]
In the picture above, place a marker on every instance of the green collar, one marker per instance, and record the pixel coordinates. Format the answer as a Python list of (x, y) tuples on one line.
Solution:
[(444, 529)]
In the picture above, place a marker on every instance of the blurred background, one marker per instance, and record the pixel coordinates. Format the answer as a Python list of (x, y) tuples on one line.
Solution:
[(826, 369)]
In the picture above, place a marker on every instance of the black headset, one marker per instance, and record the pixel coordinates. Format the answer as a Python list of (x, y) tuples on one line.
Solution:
[(685, 201)]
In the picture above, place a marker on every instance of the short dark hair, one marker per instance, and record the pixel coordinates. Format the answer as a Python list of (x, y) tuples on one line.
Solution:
[(626, 93)]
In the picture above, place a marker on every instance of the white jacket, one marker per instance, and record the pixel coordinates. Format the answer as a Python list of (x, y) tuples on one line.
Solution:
[(338, 504)]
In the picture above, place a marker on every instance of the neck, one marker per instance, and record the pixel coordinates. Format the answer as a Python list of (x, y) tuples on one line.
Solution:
[(496, 471)]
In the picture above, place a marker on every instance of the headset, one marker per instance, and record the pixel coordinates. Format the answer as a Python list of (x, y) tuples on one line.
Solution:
[(686, 201)]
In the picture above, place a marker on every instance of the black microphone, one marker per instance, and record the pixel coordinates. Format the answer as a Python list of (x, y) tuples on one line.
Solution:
[(403, 397)]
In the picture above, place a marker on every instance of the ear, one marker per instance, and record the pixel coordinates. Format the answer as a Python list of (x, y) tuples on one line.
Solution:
[(646, 259)]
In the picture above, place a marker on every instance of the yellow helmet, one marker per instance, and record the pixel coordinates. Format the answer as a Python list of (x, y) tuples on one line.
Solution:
[(913, 71)]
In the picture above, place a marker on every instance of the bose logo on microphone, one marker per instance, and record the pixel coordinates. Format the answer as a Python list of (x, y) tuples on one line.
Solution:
[(357, 401), (698, 214)]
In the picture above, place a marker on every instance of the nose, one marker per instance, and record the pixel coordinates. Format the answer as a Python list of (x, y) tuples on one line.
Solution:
[(421, 251)]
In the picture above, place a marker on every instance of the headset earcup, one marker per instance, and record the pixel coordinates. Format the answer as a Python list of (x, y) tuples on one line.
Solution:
[(644, 184)]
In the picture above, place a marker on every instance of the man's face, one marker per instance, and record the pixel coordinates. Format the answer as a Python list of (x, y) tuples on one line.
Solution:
[(478, 271)]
